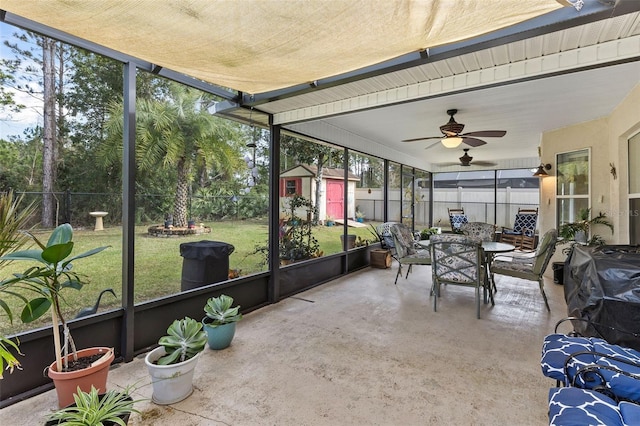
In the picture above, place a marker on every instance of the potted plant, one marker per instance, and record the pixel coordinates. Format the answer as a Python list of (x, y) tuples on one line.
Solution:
[(171, 365), (579, 231), (329, 221), (92, 408), (296, 238), (359, 216), (220, 321), (72, 368), (425, 234)]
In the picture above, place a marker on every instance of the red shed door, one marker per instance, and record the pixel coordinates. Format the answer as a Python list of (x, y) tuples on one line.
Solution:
[(335, 199)]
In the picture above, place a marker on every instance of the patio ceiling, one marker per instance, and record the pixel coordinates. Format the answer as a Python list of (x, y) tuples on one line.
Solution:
[(343, 71)]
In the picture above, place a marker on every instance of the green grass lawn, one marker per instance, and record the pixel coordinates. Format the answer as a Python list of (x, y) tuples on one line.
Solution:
[(158, 264)]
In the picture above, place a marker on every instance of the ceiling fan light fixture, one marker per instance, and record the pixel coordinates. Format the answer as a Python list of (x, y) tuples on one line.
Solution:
[(451, 142)]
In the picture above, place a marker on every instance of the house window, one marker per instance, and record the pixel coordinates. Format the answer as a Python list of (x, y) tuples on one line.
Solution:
[(572, 184), (290, 187)]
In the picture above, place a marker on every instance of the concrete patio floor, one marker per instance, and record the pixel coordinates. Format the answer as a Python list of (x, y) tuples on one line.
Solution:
[(361, 351)]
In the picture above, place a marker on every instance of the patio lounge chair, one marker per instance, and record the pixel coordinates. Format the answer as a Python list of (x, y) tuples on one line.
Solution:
[(408, 252), (386, 238), (457, 218), (523, 233), (529, 267), (456, 259)]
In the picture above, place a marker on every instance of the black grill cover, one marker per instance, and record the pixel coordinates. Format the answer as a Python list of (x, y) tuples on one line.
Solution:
[(602, 285)]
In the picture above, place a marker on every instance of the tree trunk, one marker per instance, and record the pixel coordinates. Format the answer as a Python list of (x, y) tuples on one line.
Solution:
[(316, 213), (49, 133), (182, 192)]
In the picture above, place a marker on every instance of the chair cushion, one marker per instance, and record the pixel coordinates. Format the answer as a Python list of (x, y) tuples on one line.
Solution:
[(556, 348), (422, 257), (579, 407), (457, 220), (456, 263), (525, 221), (513, 264), (484, 231)]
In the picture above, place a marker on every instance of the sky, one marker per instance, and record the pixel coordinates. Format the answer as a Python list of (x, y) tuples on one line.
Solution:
[(16, 123)]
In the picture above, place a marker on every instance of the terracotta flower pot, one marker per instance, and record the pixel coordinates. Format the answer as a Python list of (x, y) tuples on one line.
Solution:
[(67, 383)]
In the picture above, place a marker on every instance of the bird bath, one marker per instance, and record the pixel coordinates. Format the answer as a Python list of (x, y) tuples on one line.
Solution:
[(98, 215)]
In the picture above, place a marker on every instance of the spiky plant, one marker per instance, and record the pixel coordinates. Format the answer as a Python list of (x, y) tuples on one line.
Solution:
[(93, 409), (219, 310), (184, 340), (14, 218)]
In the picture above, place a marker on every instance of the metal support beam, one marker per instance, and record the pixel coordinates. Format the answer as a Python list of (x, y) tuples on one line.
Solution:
[(274, 214), (128, 209)]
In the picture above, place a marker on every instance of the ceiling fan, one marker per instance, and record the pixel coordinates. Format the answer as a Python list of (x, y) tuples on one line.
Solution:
[(466, 160), (453, 135)]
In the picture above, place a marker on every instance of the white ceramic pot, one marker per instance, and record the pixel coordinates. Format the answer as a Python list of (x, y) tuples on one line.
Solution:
[(171, 383)]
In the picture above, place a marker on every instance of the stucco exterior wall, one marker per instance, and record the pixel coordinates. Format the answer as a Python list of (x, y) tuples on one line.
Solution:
[(607, 138)]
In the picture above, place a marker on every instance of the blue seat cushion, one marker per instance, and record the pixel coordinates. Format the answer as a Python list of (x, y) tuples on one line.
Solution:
[(556, 348), (579, 407)]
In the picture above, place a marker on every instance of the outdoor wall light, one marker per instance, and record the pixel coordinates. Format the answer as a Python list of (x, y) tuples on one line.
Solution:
[(541, 171)]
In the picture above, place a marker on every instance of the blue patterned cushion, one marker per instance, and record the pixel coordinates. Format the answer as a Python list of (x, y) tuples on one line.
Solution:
[(457, 220), (524, 221), (384, 230), (557, 348), (580, 407)]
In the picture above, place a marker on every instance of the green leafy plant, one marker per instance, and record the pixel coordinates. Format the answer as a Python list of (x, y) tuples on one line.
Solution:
[(13, 219), (425, 234), (297, 241), (47, 282), (568, 231), (91, 409), (219, 310), (184, 340)]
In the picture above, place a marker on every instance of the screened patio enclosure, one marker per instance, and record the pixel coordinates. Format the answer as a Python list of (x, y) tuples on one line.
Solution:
[(502, 77)]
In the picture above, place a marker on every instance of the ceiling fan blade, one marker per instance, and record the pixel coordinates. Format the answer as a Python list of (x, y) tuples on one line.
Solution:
[(432, 145), (422, 139), (473, 141), (484, 163), (487, 133)]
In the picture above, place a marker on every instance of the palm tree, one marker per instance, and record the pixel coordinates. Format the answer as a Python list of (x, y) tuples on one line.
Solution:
[(177, 133)]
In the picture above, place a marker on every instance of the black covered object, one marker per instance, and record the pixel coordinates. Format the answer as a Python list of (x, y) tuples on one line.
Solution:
[(602, 285), (205, 262)]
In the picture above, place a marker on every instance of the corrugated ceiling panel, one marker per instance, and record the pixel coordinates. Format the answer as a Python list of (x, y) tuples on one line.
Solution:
[(500, 55), (517, 51), (533, 47), (615, 29), (554, 44), (456, 66), (470, 62), (484, 58), (635, 25), (567, 40)]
